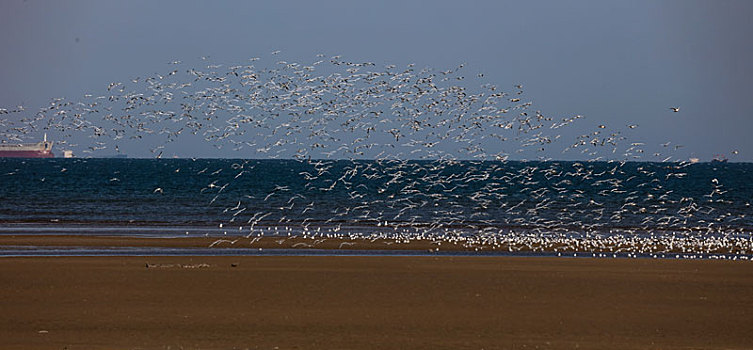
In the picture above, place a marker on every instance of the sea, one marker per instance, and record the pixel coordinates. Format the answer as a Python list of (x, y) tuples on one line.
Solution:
[(640, 207)]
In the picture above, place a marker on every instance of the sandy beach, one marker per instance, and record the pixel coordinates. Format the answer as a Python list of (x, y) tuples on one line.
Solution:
[(374, 303)]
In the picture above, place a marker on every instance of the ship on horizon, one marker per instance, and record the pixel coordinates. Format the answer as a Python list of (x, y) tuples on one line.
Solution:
[(41, 149), (719, 158)]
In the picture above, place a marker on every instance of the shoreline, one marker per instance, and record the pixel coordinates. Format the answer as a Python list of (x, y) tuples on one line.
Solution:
[(291, 302), (103, 245)]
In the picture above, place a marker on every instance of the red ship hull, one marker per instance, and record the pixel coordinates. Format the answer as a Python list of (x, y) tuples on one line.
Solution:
[(26, 154), (27, 150)]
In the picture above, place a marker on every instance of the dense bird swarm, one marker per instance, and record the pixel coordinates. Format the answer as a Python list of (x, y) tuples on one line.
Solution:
[(421, 154)]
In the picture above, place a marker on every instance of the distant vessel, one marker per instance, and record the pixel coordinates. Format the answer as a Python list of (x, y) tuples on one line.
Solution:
[(719, 158), (27, 150)]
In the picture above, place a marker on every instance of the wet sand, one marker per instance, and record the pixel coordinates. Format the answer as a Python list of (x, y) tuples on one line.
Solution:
[(269, 242), (374, 303), (336, 243)]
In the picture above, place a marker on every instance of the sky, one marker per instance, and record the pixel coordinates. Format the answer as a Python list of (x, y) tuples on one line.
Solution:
[(614, 62)]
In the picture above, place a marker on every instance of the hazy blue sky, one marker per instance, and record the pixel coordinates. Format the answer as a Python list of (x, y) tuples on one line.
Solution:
[(615, 62)]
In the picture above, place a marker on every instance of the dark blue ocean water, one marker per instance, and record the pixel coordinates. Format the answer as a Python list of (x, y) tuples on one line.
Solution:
[(206, 192), (434, 199)]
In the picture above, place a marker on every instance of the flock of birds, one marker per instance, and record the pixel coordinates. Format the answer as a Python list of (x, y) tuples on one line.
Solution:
[(616, 208), (401, 154)]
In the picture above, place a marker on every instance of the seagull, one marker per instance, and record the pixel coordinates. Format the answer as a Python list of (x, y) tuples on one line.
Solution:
[(675, 109)]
